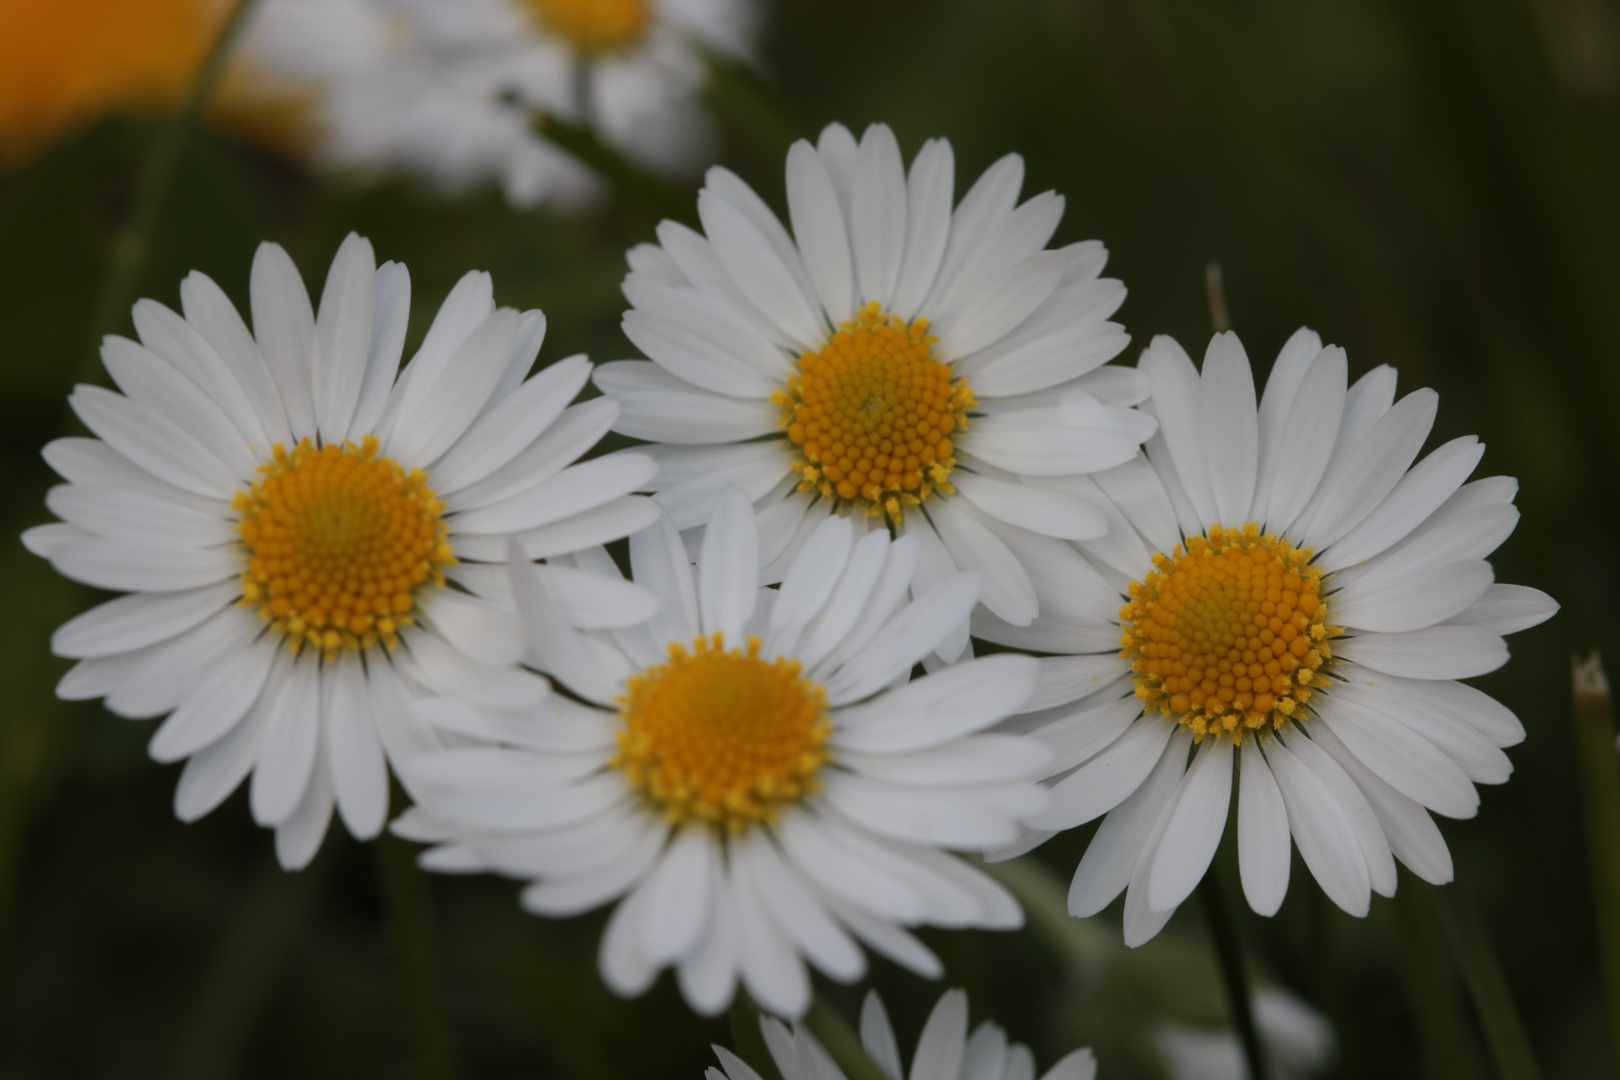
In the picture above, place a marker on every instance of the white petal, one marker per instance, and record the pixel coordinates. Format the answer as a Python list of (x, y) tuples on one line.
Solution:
[(577, 489), (716, 329), (694, 358), (343, 336), (794, 908), (467, 305), (660, 563), (1108, 779), (509, 790), (771, 969), (757, 269), (284, 326), (818, 225), (574, 894), (1006, 589), (1196, 824), (1012, 298), (178, 342), (910, 635), (481, 630), (299, 837), (1116, 847), (959, 700), (1176, 400), (1063, 679), (1406, 760), (215, 706), (878, 214), (291, 741), (136, 621), (214, 772), (1420, 492), (1367, 470), (877, 1036), (1081, 736), (603, 524), (391, 320), (576, 431), (359, 773), (944, 1036), (511, 425), (809, 583), (1326, 841), (1264, 853), (929, 188), (728, 575), (1049, 513), (1415, 601), (141, 516), (1507, 609), (439, 401), (1412, 834), (678, 896), (553, 645), (658, 406), (212, 315), (153, 442), (1230, 433), (158, 385), (1304, 443), (1355, 804), (120, 564), (1292, 362), (857, 587), (1436, 652)]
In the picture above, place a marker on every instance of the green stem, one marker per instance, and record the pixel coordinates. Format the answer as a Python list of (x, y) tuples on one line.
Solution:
[(406, 897), (1600, 790), (841, 1042), (1223, 932), (633, 184), (1482, 976), (1442, 1027), (133, 242), (747, 1041)]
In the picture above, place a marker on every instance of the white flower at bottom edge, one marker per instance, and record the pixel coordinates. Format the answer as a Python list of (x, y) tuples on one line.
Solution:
[(753, 774), (306, 531), (1298, 1041), (908, 365), (1313, 602), (944, 1050)]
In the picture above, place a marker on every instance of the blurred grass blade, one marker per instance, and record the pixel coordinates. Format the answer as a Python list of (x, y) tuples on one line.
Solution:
[(1482, 975), (255, 944), (630, 182), (1045, 905), (133, 242), (748, 104), (1223, 932), (406, 896), (1442, 1026), (841, 1042), (1600, 791)]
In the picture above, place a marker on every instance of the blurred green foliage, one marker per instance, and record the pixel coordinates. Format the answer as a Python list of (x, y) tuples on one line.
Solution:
[(1429, 183)]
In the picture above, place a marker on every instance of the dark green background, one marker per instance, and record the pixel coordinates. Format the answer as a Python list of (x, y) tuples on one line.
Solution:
[(1428, 183)]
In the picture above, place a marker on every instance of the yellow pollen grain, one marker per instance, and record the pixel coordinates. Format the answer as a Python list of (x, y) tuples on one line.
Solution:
[(1229, 634), (595, 26), (339, 542), (872, 415), (722, 736)]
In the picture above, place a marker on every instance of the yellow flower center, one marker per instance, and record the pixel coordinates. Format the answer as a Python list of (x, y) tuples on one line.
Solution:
[(722, 735), (1229, 634), (595, 26), (872, 414), (339, 543)]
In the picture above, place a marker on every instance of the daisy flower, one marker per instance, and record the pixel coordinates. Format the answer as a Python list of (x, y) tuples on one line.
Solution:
[(751, 773), (304, 529), (451, 91), (892, 361), (944, 1050), (1294, 643)]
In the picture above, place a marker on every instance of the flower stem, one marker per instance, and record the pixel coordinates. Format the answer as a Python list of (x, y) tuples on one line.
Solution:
[(407, 903), (1600, 790), (1482, 976), (1223, 932), (133, 242), (629, 181), (841, 1042), (1442, 1027)]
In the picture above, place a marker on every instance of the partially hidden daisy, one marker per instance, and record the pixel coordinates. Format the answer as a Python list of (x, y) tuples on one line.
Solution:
[(751, 774), (451, 92), (893, 361), (1280, 613), (305, 529), (945, 1051)]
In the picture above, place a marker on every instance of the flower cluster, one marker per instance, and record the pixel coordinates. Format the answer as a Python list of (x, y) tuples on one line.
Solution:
[(758, 727)]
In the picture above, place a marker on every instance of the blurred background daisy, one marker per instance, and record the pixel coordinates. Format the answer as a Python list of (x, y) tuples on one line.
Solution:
[(1429, 186)]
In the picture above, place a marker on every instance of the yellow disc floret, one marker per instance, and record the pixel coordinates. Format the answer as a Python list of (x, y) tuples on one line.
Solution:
[(872, 415), (722, 735), (1230, 634), (339, 542), (595, 26)]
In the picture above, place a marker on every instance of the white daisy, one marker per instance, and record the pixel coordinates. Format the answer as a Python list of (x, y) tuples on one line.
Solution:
[(753, 775), (1298, 1042), (450, 91), (1314, 600), (301, 527), (944, 1050), (893, 361)]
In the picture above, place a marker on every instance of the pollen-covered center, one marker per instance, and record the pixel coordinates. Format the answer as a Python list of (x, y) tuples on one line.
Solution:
[(1229, 634), (872, 415), (595, 26), (722, 735), (339, 543)]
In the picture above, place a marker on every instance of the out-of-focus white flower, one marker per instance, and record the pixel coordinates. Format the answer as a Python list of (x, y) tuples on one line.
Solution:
[(1296, 1036), (450, 91)]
